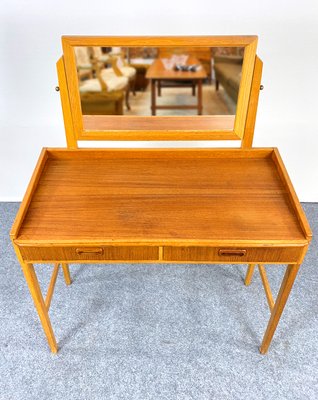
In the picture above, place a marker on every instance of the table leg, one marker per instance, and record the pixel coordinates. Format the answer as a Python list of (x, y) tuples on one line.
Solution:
[(249, 274), (34, 287), (66, 272), (287, 284), (153, 97), (193, 88), (159, 87), (200, 97)]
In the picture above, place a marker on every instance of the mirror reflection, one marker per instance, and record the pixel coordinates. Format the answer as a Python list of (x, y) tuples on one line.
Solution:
[(159, 81)]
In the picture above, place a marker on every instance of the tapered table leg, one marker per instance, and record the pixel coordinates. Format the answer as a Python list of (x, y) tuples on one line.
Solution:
[(159, 87), (287, 284), (66, 272), (249, 274), (40, 306)]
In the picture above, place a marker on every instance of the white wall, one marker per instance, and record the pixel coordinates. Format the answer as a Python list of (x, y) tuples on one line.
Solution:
[(30, 113)]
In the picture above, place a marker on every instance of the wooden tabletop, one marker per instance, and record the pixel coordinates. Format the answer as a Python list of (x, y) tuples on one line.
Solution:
[(158, 71), (154, 195)]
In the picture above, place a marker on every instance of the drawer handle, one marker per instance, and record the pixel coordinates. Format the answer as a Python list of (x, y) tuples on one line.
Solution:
[(228, 252), (89, 250)]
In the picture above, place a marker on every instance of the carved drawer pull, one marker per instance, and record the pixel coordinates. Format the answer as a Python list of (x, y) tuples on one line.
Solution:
[(233, 252), (89, 250)]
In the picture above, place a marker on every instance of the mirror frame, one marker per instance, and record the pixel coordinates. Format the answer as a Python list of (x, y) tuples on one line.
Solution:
[(158, 127)]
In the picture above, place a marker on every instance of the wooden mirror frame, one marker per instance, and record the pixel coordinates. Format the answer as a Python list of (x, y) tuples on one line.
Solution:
[(154, 127)]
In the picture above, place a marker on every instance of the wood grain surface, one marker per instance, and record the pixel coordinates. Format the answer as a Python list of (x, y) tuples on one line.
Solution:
[(161, 195), (184, 128)]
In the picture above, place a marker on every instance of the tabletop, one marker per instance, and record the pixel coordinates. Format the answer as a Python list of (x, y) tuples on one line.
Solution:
[(160, 196), (158, 71)]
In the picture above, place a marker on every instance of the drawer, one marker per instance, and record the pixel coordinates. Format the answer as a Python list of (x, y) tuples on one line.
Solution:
[(233, 254), (90, 253)]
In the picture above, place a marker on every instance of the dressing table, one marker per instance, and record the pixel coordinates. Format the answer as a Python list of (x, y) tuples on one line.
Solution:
[(167, 205)]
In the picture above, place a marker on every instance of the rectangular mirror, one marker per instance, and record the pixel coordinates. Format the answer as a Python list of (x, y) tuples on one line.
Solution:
[(159, 80), (166, 85)]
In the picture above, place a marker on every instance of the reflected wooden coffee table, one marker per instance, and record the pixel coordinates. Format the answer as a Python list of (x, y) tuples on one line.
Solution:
[(157, 73)]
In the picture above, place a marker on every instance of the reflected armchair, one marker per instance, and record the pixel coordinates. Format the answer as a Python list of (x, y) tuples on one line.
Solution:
[(104, 94), (83, 62), (102, 58), (122, 68)]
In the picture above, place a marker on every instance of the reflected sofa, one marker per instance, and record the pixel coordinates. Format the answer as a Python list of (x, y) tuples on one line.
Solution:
[(228, 72)]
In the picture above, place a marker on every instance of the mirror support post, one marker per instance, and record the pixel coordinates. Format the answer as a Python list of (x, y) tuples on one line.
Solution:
[(66, 106), (248, 136)]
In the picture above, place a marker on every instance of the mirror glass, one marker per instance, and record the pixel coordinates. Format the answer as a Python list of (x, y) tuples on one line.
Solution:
[(159, 81)]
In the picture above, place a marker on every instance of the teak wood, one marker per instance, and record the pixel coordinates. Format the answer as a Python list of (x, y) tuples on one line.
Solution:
[(159, 128), (172, 128), (170, 205), (211, 206)]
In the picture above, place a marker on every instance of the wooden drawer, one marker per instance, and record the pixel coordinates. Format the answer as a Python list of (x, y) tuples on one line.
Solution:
[(169, 253), (233, 254), (90, 253)]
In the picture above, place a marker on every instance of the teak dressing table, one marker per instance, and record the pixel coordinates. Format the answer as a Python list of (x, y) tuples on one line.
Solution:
[(234, 206)]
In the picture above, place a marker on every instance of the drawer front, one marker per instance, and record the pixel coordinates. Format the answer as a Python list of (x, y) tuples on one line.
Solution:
[(87, 253), (233, 254)]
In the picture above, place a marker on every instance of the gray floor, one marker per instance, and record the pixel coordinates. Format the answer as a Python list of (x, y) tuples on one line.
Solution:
[(157, 332)]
